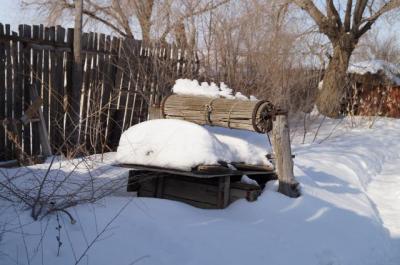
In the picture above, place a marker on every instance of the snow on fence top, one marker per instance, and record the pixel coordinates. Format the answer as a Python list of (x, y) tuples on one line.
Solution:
[(192, 87), (183, 145), (392, 71)]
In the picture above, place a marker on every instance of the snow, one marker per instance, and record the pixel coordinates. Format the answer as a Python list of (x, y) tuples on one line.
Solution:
[(392, 71), (184, 145), (347, 215), (192, 87), (247, 180)]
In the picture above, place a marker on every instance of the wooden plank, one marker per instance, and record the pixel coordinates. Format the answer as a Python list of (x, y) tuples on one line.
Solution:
[(116, 115), (46, 82), (190, 190), (87, 43), (17, 87), (242, 190), (36, 77), (144, 84), (223, 192), (53, 96), (26, 60), (3, 152), (59, 91), (113, 69), (94, 99), (72, 89), (9, 89), (100, 77), (133, 70), (243, 166)]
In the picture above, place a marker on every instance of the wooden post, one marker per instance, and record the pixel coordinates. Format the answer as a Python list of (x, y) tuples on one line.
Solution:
[(283, 155), (74, 104)]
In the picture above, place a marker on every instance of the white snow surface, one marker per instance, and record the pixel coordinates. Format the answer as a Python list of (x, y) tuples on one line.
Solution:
[(392, 71), (192, 87), (347, 215), (183, 145)]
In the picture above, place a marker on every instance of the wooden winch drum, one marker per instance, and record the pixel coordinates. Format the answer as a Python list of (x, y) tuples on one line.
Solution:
[(230, 113)]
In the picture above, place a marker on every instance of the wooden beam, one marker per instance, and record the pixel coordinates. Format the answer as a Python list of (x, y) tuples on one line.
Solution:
[(283, 153)]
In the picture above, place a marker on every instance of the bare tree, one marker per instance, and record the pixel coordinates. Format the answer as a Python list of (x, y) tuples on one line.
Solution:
[(344, 29), (121, 15)]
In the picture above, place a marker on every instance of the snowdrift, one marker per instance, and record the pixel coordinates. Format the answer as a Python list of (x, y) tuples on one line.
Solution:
[(183, 145)]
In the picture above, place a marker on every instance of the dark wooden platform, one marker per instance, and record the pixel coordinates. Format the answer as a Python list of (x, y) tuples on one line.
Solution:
[(205, 187)]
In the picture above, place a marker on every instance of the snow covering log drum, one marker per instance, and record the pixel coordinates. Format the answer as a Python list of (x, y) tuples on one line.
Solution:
[(231, 113)]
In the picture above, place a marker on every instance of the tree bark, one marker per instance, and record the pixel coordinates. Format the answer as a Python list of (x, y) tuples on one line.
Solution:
[(335, 82), (283, 157)]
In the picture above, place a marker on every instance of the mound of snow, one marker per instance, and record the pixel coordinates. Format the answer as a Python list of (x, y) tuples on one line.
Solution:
[(192, 87), (183, 145), (392, 71)]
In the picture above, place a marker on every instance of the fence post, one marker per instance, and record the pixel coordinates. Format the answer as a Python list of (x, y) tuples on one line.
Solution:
[(74, 104)]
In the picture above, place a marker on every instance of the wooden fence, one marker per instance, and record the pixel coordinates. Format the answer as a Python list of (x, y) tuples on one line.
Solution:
[(121, 78)]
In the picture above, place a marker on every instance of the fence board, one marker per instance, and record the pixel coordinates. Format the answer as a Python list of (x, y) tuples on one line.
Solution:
[(35, 73), (3, 152), (59, 90), (17, 98), (70, 108), (46, 82), (26, 60), (9, 89)]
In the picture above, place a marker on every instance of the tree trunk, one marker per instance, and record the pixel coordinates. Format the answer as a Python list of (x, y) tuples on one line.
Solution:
[(335, 82), (283, 157)]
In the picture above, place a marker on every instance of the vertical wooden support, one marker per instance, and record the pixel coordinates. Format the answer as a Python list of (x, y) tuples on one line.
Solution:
[(160, 187), (223, 191), (283, 155)]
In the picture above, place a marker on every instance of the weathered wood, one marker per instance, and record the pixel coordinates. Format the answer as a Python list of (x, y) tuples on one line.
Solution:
[(3, 152), (154, 113), (243, 166), (284, 162), (240, 190), (223, 191), (239, 114), (26, 32), (36, 77), (9, 88), (210, 193), (18, 91)]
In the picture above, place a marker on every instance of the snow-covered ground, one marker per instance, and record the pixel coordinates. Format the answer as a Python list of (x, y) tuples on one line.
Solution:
[(348, 213)]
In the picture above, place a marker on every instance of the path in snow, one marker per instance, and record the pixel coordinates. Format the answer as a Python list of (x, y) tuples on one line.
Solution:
[(384, 190)]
